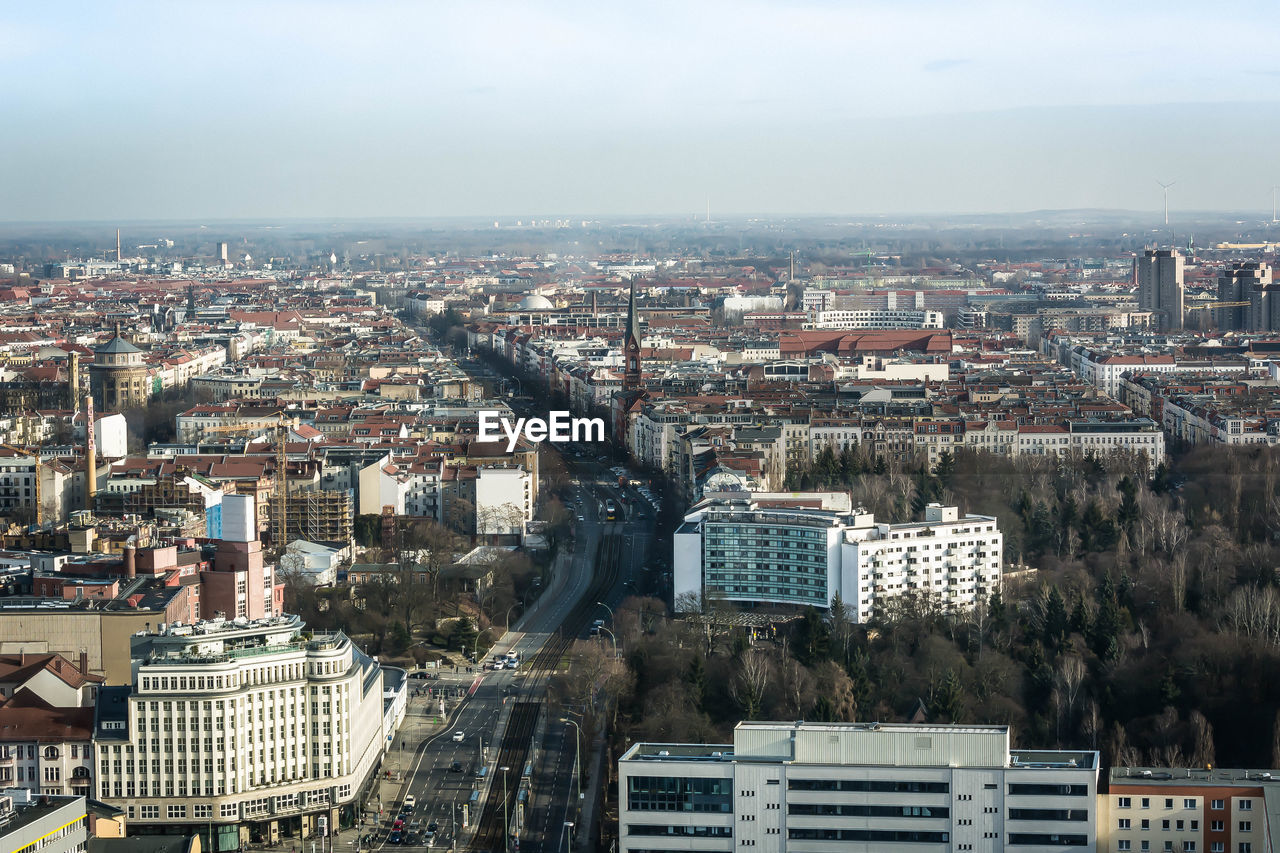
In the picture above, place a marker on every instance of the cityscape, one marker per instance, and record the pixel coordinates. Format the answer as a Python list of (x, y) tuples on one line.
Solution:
[(563, 428)]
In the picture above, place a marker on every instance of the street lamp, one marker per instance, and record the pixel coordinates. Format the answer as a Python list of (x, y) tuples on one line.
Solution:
[(577, 751), (611, 637), (519, 603), (610, 609), (568, 824), (506, 816)]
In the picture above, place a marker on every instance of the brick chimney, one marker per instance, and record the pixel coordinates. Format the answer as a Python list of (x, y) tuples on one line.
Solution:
[(130, 562)]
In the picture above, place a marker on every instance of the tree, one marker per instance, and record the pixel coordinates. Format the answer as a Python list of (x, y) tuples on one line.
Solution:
[(750, 683), (812, 638)]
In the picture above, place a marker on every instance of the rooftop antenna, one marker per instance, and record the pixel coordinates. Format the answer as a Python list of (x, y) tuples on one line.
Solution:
[(1165, 187)]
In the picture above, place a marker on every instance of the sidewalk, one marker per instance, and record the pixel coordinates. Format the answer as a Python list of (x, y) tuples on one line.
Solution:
[(587, 833)]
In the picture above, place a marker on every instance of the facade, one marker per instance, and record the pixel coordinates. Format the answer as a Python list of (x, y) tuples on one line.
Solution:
[(757, 552), (1246, 287), (860, 787), (240, 728), (47, 825), (885, 318), (1160, 285), (1195, 810), (46, 724)]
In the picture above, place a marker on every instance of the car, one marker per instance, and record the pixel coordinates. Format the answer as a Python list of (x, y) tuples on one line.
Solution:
[(396, 837), (419, 673), (433, 827), (582, 517), (456, 767), (459, 737), (398, 826), (410, 801)]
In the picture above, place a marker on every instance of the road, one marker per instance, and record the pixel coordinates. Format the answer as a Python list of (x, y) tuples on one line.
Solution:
[(442, 792)]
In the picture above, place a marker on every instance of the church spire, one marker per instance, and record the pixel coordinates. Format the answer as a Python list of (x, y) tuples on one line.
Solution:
[(631, 346)]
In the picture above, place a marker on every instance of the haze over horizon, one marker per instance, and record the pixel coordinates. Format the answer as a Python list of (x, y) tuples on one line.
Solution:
[(294, 110)]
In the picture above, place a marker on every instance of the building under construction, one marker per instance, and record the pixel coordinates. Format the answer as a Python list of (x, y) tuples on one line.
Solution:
[(317, 516)]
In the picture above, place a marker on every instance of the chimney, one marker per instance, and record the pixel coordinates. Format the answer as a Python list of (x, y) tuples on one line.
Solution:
[(23, 659), (73, 381), (84, 662), (130, 562)]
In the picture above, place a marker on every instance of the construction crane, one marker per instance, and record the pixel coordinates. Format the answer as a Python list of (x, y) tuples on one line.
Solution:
[(1208, 305), (280, 428)]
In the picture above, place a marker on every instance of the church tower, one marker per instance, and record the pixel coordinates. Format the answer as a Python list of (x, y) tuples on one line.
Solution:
[(631, 346)]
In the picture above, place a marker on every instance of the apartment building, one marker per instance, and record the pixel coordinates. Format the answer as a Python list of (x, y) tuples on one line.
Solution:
[(42, 825), (238, 727), (801, 787), (1188, 810), (770, 551)]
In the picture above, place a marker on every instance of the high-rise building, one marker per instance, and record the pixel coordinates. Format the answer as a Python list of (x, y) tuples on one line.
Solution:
[(803, 787), (222, 253), (1248, 283), (767, 552), (1160, 285), (241, 728)]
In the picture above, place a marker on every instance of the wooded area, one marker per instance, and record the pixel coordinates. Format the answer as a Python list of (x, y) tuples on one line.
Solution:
[(1150, 628)]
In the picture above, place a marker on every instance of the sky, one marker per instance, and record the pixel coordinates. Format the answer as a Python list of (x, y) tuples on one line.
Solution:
[(258, 110)]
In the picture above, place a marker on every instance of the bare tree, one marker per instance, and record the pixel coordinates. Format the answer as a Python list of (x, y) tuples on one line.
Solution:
[(1202, 733), (750, 682)]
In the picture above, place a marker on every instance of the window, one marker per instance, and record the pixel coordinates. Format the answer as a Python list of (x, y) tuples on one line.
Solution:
[(1188, 803), (177, 811), (1246, 805), (1168, 802), (1246, 826), (1124, 823), (1146, 802), (1217, 847), (1123, 844), (1124, 802), (1245, 847), (1216, 804), (150, 812), (1216, 826)]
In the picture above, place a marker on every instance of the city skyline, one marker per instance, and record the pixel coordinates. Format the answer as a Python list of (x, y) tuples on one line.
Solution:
[(135, 111)]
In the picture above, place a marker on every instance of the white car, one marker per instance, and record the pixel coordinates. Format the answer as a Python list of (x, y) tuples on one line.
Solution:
[(459, 737)]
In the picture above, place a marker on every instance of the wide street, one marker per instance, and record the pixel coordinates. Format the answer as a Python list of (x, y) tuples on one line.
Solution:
[(450, 778)]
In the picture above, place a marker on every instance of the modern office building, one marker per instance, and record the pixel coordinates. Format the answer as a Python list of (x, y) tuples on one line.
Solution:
[(752, 551), (1188, 810), (241, 729), (1160, 285), (1245, 291), (801, 787), (31, 824)]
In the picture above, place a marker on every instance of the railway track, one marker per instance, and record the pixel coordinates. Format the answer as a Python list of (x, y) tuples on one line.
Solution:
[(516, 739)]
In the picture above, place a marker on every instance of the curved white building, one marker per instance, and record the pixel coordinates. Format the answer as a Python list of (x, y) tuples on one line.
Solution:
[(246, 730)]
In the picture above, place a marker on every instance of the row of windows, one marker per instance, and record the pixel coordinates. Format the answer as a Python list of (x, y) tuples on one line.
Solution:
[(1125, 844), (666, 793), (691, 831), (881, 835), (826, 809), (1243, 805), (878, 786)]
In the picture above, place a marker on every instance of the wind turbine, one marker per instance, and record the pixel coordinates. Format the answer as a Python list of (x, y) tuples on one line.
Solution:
[(1165, 187)]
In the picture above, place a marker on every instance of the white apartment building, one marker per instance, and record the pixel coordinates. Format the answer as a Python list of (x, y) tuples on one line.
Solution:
[(240, 728), (503, 501), (877, 318), (861, 787), (751, 552)]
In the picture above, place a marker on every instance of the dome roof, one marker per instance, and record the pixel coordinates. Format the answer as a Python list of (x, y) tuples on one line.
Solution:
[(535, 302)]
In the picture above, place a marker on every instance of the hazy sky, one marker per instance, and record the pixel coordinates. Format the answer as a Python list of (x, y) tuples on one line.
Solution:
[(117, 111)]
